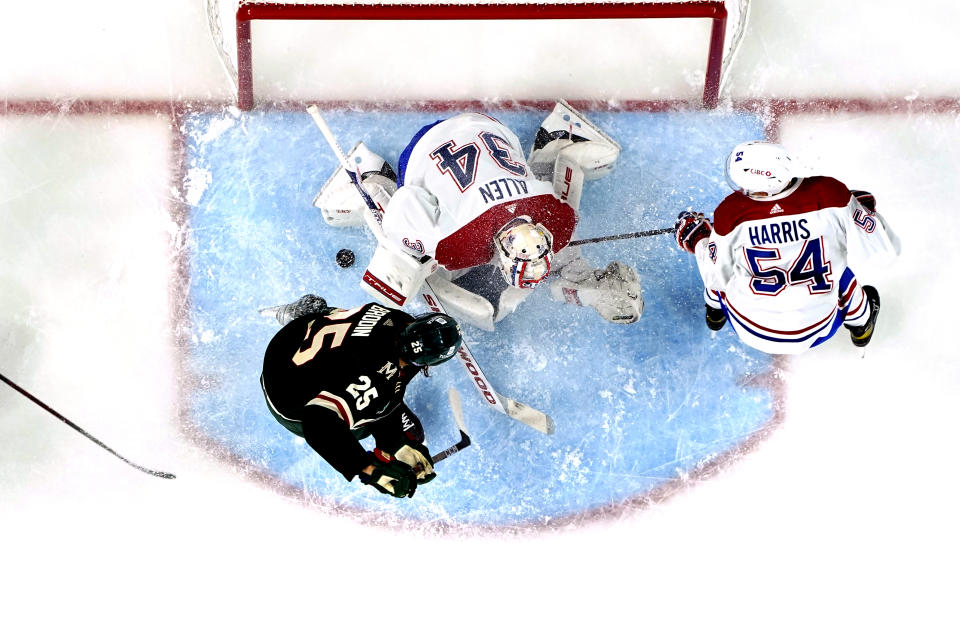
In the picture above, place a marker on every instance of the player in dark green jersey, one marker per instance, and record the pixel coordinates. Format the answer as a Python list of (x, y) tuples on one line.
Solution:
[(336, 376)]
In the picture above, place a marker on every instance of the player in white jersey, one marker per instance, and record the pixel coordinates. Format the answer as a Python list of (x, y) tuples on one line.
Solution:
[(469, 214), (777, 260)]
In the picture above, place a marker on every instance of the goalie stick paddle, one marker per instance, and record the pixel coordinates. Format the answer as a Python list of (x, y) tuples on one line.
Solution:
[(72, 425), (508, 406), (621, 236)]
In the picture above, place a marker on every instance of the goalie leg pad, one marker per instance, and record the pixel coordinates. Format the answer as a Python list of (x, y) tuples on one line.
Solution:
[(568, 179), (462, 304), (339, 201), (615, 292), (510, 299), (565, 129)]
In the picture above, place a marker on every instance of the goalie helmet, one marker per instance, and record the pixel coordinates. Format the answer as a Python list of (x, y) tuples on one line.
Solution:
[(430, 339), (759, 169), (525, 251)]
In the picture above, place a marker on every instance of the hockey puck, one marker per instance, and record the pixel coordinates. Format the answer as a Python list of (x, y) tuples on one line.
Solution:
[(345, 258)]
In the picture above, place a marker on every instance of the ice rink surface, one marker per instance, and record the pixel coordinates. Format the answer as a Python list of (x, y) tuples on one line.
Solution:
[(840, 523), (661, 397)]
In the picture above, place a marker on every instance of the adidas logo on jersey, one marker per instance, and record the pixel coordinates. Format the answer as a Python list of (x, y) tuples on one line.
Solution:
[(776, 209)]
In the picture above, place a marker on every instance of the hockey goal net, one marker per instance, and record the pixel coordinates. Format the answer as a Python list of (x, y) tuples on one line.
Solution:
[(610, 51)]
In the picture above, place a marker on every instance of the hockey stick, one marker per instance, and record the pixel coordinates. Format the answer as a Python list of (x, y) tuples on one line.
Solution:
[(458, 417), (622, 236), (512, 408), (69, 423)]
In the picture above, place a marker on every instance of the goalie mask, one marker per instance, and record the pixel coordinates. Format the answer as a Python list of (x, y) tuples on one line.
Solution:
[(759, 170), (525, 252), (430, 339)]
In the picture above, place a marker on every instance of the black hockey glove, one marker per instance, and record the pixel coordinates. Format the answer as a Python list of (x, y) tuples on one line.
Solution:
[(691, 228), (390, 475), (866, 199)]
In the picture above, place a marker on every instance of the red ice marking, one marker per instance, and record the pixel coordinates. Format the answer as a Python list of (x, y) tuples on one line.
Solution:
[(773, 112)]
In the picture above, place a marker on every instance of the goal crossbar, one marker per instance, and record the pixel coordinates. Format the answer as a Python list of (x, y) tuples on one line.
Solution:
[(250, 11)]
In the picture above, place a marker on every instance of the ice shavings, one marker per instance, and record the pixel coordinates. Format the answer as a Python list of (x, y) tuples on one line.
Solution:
[(195, 184)]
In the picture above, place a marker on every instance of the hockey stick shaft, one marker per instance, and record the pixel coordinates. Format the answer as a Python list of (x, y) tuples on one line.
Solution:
[(621, 236), (508, 406), (512, 408), (74, 426), (449, 451), (374, 219), (457, 408)]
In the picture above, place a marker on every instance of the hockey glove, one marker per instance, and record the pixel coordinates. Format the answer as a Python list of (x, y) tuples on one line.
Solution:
[(691, 228), (866, 199), (390, 475), (418, 457)]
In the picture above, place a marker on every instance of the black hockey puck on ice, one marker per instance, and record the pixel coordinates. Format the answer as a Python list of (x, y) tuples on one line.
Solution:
[(345, 258)]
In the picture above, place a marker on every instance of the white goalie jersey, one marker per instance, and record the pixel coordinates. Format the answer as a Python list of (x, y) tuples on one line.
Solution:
[(782, 268), (460, 181)]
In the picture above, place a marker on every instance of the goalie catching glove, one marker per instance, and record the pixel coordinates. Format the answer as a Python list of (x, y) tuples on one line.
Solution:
[(615, 292), (691, 228), (399, 474)]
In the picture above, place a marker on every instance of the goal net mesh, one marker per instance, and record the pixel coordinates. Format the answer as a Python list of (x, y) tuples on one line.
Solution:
[(305, 50)]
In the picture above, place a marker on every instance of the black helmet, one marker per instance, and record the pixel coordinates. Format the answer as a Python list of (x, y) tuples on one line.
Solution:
[(430, 339)]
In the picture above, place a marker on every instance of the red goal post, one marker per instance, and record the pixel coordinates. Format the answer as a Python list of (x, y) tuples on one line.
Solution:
[(248, 12)]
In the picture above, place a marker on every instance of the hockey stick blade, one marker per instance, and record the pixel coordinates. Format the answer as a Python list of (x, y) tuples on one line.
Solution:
[(508, 406), (464, 436), (528, 415), (621, 236)]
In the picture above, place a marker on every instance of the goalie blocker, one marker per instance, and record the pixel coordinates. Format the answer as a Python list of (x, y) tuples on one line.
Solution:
[(339, 201)]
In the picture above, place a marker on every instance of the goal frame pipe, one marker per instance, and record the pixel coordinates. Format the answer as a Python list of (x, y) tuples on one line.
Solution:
[(250, 11)]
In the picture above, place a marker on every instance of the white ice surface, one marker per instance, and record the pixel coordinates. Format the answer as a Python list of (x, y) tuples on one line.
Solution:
[(841, 524)]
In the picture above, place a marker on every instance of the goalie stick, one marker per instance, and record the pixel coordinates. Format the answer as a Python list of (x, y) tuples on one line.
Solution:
[(72, 425), (508, 406)]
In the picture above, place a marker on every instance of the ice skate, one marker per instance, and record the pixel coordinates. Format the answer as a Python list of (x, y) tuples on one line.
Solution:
[(860, 336), (288, 312), (715, 318)]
